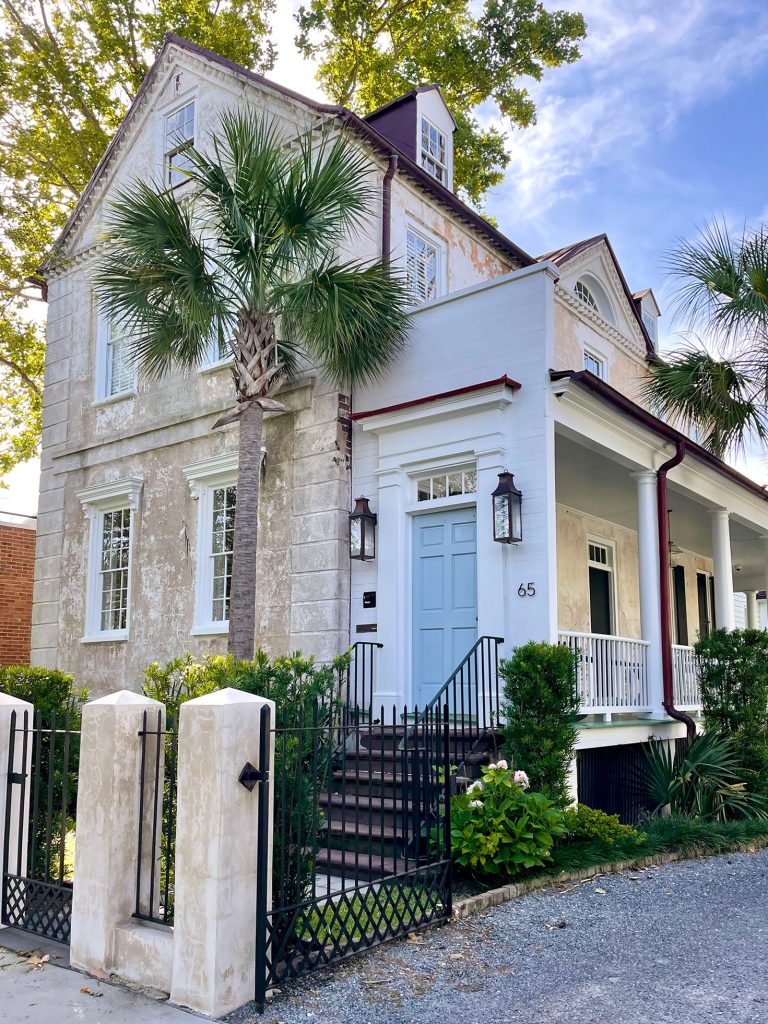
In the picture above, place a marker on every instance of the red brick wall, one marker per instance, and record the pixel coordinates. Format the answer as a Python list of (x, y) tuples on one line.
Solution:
[(17, 569)]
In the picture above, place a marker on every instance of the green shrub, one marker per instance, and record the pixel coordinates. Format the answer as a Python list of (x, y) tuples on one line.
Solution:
[(582, 822), (540, 711), (702, 779), (51, 691), (305, 696), (499, 828), (733, 675)]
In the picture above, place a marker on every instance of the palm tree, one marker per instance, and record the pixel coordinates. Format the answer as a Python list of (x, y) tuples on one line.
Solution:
[(723, 290), (244, 259)]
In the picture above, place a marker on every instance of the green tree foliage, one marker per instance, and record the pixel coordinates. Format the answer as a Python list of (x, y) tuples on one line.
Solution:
[(68, 70), (733, 674), (370, 53), (539, 712)]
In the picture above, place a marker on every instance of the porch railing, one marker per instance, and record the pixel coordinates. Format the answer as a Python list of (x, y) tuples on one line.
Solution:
[(686, 677), (611, 672)]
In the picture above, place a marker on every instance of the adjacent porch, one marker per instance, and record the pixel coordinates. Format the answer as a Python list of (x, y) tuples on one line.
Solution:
[(608, 575)]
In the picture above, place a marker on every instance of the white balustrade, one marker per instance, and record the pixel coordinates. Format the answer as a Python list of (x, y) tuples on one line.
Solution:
[(611, 673), (686, 677)]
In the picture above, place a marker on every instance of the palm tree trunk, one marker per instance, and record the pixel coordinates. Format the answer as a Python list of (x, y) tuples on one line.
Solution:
[(242, 600), (253, 370)]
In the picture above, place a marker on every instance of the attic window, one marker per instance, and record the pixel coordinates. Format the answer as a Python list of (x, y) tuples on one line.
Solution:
[(433, 151), (179, 137), (583, 293), (650, 325)]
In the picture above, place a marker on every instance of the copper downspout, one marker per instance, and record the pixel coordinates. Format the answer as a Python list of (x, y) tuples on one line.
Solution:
[(386, 210), (667, 675)]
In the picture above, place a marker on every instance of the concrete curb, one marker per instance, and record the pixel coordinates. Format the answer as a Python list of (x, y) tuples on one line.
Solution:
[(505, 893)]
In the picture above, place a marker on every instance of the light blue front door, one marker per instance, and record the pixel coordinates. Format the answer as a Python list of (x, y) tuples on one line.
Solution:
[(444, 596)]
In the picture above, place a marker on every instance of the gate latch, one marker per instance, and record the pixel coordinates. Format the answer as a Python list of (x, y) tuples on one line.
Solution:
[(249, 776), (16, 776)]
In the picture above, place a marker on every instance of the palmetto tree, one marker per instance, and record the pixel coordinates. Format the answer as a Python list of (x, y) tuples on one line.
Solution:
[(245, 258), (723, 291)]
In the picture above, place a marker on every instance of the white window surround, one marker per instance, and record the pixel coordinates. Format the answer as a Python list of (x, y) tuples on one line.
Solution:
[(204, 478), (595, 363), (609, 547), (112, 383), (589, 290), (433, 150), (420, 246), (187, 95), (179, 130), (98, 501)]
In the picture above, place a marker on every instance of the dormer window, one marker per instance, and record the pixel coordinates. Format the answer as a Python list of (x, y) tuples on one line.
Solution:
[(650, 325), (433, 151), (179, 137), (586, 295)]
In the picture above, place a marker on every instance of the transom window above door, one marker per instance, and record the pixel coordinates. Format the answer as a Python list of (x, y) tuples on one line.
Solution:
[(447, 485), (600, 554)]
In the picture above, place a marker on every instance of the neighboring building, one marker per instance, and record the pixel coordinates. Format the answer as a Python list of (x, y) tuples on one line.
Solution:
[(17, 568), (529, 365)]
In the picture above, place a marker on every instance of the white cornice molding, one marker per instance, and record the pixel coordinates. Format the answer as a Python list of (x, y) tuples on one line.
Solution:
[(101, 496), (218, 469), (593, 319)]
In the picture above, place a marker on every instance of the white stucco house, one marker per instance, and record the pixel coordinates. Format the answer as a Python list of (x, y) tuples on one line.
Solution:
[(517, 364)]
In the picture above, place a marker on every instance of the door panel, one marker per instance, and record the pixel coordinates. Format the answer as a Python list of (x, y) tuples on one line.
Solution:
[(600, 601), (444, 596)]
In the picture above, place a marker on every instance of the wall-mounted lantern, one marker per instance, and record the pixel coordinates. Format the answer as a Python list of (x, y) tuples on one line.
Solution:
[(507, 511), (362, 531)]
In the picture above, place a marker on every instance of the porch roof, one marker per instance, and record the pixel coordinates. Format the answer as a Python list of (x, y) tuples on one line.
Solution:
[(625, 405), (504, 380)]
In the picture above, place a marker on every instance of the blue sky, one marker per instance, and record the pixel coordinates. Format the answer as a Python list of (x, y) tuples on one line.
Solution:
[(659, 127)]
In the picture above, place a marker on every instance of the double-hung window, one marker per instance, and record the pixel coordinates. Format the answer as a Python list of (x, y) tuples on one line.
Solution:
[(213, 485), (111, 510), (433, 151), (423, 266), (179, 136), (594, 364), (115, 361)]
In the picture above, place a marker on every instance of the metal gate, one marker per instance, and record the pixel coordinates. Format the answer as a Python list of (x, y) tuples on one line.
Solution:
[(39, 827), (358, 814)]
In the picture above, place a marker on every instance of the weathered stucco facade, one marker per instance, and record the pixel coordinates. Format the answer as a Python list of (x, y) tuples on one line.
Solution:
[(152, 434)]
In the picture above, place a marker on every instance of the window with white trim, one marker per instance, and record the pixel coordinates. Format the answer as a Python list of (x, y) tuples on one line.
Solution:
[(594, 364), (447, 485), (115, 361), (433, 151), (650, 325), (583, 293), (178, 137), (423, 266), (213, 485), (111, 509)]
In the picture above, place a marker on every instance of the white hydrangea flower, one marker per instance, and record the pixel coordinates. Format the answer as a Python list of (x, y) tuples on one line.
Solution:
[(522, 779), (475, 787), (500, 764), (475, 803)]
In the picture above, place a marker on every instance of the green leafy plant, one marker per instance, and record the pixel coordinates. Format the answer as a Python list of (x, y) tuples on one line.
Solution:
[(582, 822), (51, 691), (500, 828), (733, 677), (540, 709), (306, 698), (703, 779)]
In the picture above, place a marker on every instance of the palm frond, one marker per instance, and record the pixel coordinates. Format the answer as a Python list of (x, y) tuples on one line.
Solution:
[(352, 319), (722, 400), (722, 281)]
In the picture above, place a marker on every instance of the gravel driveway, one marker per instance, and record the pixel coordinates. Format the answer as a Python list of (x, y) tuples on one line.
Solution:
[(685, 943)]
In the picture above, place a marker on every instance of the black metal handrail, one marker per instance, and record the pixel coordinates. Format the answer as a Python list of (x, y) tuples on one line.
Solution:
[(471, 694), (361, 675)]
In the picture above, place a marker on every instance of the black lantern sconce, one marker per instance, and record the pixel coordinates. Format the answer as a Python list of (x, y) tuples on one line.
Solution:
[(507, 511), (362, 531)]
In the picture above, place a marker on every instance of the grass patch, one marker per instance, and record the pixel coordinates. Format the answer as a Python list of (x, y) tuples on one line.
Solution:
[(350, 919)]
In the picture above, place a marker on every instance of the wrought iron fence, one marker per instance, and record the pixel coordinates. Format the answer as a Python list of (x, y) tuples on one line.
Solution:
[(361, 676), (157, 820), (39, 827), (360, 833)]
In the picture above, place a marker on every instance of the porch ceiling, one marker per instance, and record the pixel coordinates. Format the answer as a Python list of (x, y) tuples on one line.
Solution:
[(600, 486)]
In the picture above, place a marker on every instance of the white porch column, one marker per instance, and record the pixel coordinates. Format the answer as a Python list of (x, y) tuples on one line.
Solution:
[(650, 595), (753, 619), (721, 555)]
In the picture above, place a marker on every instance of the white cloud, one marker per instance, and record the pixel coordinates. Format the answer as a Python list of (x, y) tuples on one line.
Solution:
[(644, 65)]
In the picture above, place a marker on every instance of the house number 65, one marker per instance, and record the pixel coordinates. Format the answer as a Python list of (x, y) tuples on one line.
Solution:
[(526, 591)]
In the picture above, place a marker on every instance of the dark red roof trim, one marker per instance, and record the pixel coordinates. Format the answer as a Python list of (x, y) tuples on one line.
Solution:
[(630, 408), (506, 381)]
